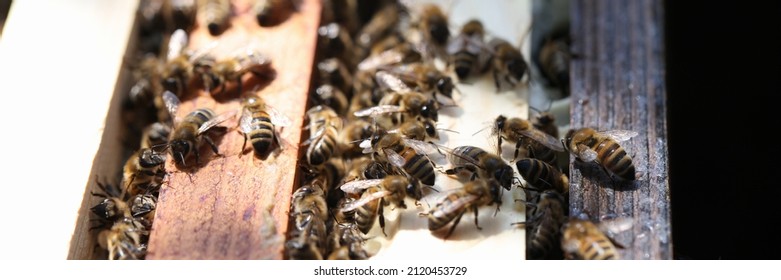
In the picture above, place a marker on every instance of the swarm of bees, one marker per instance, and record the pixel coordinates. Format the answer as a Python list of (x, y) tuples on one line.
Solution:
[(371, 137)]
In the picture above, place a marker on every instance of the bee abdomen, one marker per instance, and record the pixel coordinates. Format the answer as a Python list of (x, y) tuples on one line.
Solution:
[(542, 240), (614, 158), (365, 216), (321, 150), (601, 249), (463, 61), (539, 151), (419, 167)]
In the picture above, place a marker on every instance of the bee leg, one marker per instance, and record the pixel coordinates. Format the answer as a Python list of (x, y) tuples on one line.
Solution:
[(212, 145), (238, 85), (474, 208), (455, 223), (382, 219), (496, 81), (499, 146), (243, 146), (517, 150)]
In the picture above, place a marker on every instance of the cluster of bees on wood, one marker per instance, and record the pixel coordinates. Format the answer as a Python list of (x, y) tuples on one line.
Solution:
[(371, 124)]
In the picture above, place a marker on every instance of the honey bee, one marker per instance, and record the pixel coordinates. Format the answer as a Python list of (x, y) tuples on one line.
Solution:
[(333, 40), (543, 235), (177, 70), (182, 13), (420, 130), (542, 175), (126, 240), (516, 129), (546, 122), (432, 25), (351, 136), (258, 123), (402, 53), (332, 97), (143, 171), (189, 132), (143, 206), (309, 211), (590, 145), (345, 243), (468, 52), (420, 77), (481, 164), (583, 240), (377, 28), (409, 105), (332, 71), (273, 12), (215, 73), (324, 127), (409, 155), (155, 134), (554, 58), (474, 194), (215, 15), (507, 63), (365, 168), (389, 190), (112, 207)]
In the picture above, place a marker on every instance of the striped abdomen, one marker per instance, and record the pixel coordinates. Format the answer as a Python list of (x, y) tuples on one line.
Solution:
[(418, 166), (614, 158), (198, 117), (464, 61), (451, 207), (544, 237), (465, 155), (599, 249), (542, 175), (262, 131), (322, 148), (366, 214), (539, 151)]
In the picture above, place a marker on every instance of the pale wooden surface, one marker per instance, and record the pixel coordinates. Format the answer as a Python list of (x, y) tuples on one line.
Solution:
[(236, 207), (619, 83), (60, 120)]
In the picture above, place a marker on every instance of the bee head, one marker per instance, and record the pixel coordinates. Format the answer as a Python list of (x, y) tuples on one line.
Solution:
[(516, 68), (504, 175), (171, 84), (431, 129), (180, 149), (568, 139), (106, 209), (413, 189), (499, 124), (439, 33), (150, 158), (429, 110), (445, 86)]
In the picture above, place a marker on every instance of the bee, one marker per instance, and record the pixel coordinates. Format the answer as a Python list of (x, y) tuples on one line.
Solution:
[(544, 226), (215, 73), (481, 164), (516, 129), (582, 239), (474, 194), (155, 134), (182, 13), (215, 15), (420, 130), (420, 77), (546, 122), (351, 136), (309, 211), (507, 62), (332, 71), (273, 12), (365, 168), (554, 58), (189, 132), (377, 28), (389, 190), (468, 52), (333, 97), (126, 240), (143, 206), (258, 122), (408, 105), (177, 70), (112, 207), (143, 171), (434, 28), (333, 40), (402, 53), (324, 127), (542, 175), (346, 243), (408, 155), (590, 145)]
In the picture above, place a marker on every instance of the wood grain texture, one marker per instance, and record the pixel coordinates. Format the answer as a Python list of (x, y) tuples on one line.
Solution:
[(618, 82), (235, 206)]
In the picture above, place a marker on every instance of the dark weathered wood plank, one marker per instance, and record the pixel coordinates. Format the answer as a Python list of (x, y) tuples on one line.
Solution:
[(618, 83), (236, 205)]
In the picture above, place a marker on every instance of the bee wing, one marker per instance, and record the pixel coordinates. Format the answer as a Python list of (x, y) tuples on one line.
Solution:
[(586, 154), (461, 202), (367, 146), (615, 225), (421, 147), (245, 121), (203, 51), (377, 110), (457, 44), (363, 200), (357, 186), (277, 117), (395, 159), (176, 44), (389, 81), (171, 103), (620, 135), (384, 58), (545, 139), (216, 120)]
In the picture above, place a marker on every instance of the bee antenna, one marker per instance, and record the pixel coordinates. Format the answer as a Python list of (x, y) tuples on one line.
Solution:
[(481, 130), (433, 188), (449, 130), (155, 147)]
